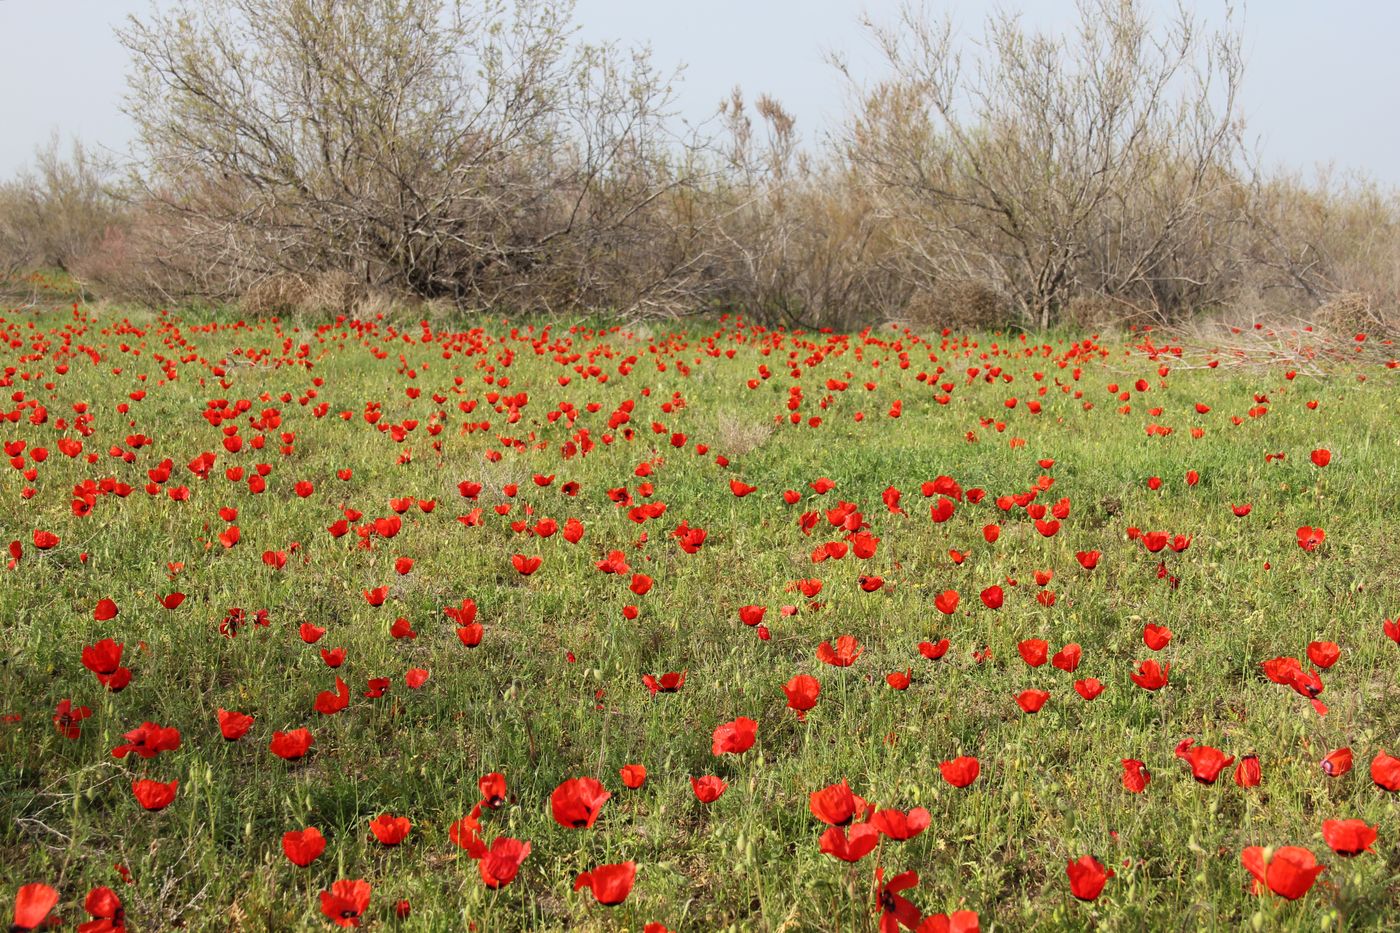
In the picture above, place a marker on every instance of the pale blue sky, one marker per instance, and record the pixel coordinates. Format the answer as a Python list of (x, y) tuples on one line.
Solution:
[(1322, 81)]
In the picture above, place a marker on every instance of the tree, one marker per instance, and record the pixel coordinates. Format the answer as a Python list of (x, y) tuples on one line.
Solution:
[(468, 149), (1050, 165)]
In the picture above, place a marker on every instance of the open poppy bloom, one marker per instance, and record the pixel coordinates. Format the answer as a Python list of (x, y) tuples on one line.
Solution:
[(1247, 773), (1087, 877), (670, 682), (67, 719), (303, 846), (708, 789), (802, 692), (33, 902), (233, 725), (345, 903), (148, 741), (610, 884), (843, 654), (734, 738), (1348, 837), (633, 776), (1150, 675), (837, 804), (105, 908), (898, 825), (501, 863), (1206, 762), (960, 772), (894, 910), (390, 830), (1385, 771), (153, 795), (849, 844), (959, 921), (1032, 701), (1135, 775), (291, 745), (1337, 762), (575, 804), (1289, 873)]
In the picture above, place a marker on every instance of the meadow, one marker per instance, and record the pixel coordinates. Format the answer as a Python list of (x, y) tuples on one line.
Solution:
[(694, 626)]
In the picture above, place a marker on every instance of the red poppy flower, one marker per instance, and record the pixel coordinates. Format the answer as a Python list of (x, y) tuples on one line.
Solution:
[(610, 884), (1206, 762), (1290, 873), (525, 565), (1067, 658), (633, 776), (669, 682), (416, 677), (894, 910), (1087, 877), (303, 846), (1247, 773), (959, 921), (1034, 651), (493, 789), (898, 825), (328, 703), (148, 741), (836, 804), (575, 804), (1310, 539), (1324, 653), (1031, 701), (1348, 837), (708, 789), (1385, 771), (346, 902), (1135, 775), (1337, 762), (849, 845), (1156, 636), (946, 602), (291, 745), (390, 830), (310, 633), (960, 772), (466, 833), (734, 738), (1321, 457), (1150, 675), (934, 650), (153, 795), (67, 719), (501, 863), (32, 905), (1088, 688), (233, 725), (752, 615), (844, 654), (108, 915)]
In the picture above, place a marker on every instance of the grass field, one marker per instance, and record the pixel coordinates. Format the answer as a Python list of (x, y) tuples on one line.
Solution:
[(293, 467)]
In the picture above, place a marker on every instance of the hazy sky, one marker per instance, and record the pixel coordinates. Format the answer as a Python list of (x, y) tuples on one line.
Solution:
[(1322, 79)]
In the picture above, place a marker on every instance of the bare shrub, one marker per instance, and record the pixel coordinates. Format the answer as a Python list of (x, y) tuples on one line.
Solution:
[(1052, 165)]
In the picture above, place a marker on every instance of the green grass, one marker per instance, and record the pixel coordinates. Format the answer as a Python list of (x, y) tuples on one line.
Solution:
[(1050, 786)]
